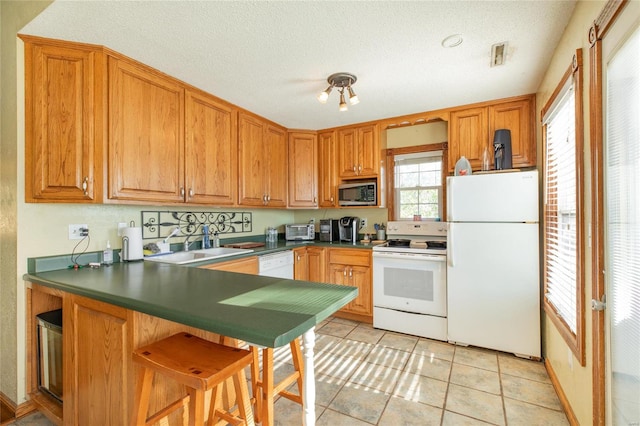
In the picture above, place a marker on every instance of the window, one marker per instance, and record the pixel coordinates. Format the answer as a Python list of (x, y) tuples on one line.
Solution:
[(563, 252), (418, 185), (415, 181)]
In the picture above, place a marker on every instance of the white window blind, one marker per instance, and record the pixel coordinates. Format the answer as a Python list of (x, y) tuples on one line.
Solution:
[(560, 207), (622, 194), (418, 185)]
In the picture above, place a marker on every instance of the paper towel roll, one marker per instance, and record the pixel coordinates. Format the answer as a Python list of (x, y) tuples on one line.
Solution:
[(132, 244)]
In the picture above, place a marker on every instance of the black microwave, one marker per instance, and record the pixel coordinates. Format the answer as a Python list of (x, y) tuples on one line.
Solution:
[(358, 194)]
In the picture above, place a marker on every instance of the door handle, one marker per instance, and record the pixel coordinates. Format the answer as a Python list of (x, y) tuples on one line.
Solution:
[(599, 305), (85, 185), (450, 255)]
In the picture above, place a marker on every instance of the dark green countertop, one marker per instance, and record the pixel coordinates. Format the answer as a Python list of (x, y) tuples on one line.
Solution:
[(261, 310)]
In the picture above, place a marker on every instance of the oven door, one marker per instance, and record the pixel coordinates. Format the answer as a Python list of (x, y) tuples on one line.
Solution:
[(410, 282)]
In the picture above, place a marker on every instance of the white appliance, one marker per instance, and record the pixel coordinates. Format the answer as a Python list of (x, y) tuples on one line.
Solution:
[(410, 280), (277, 265), (493, 262)]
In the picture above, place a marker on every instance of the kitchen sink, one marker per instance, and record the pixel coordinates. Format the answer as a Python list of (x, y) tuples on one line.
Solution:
[(183, 257)]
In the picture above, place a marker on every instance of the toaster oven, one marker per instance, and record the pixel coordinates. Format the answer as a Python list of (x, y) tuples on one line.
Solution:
[(300, 231)]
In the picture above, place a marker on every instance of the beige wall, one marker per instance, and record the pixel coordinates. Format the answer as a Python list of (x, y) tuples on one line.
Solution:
[(13, 16), (574, 379)]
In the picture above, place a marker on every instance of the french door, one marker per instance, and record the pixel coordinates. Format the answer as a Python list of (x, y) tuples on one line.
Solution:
[(621, 184)]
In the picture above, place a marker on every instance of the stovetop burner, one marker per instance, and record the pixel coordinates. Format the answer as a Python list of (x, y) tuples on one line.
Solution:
[(398, 242)]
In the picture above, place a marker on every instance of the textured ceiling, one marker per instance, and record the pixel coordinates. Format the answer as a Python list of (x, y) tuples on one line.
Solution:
[(273, 57)]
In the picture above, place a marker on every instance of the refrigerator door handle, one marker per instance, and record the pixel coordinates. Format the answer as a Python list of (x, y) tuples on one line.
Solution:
[(449, 197), (450, 245)]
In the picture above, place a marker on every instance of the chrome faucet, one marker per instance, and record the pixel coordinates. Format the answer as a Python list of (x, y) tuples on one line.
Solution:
[(187, 244)]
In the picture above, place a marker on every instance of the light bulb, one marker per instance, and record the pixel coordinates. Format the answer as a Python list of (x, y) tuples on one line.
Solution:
[(353, 98), (323, 96), (343, 104)]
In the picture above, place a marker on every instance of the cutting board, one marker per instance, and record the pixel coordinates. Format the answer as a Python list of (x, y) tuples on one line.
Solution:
[(247, 244)]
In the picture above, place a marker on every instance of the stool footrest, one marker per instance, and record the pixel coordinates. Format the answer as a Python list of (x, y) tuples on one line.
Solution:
[(291, 396), (168, 410)]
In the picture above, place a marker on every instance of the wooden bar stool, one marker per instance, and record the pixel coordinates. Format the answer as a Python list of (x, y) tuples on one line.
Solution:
[(199, 365), (263, 386)]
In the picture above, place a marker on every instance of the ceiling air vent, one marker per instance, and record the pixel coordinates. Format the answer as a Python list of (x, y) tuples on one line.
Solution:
[(498, 54)]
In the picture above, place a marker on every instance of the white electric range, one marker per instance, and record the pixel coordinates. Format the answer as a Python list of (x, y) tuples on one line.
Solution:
[(410, 279)]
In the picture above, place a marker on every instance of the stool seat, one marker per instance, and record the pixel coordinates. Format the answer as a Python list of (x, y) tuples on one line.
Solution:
[(199, 365)]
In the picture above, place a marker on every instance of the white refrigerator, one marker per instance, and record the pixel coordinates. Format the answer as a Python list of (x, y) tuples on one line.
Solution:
[(493, 284)]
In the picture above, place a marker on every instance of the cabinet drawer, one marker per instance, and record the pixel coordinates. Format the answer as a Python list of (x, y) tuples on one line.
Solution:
[(350, 257)]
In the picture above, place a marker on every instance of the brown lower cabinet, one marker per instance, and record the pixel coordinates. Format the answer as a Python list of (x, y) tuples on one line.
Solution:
[(344, 266), (352, 267), (99, 376), (247, 265)]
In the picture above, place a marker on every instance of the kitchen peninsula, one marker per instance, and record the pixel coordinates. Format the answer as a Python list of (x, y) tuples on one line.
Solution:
[(109, 311)]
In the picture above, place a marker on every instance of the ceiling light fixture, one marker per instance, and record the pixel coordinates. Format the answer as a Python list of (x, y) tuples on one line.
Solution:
[(452, 41), (341, 80)]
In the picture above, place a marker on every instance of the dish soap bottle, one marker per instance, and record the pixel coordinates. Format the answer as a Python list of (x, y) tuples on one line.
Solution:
[(107, 254), (463, 167)]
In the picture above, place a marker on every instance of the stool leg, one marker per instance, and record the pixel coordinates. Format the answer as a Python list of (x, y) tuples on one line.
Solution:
[(242, 393), (212, 406), (143, 393), (196, 407), (267, 386), (298, 364), (255, 389)]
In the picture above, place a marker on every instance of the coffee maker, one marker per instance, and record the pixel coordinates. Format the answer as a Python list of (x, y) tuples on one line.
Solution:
[(349, 229), (502, 149), (329, 230)]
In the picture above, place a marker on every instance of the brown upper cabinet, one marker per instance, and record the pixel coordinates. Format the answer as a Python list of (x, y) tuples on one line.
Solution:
[(303, 169), (327, 174), (187, 138), (262, 163), (64, 117), (146, 134), (471, 131), (211, 150), (358, 152)]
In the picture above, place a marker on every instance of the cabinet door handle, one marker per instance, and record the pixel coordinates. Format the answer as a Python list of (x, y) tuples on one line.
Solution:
[(354, 168), (182, 191), (85, 185), (315, 200), (350, 273), (331, 199), (268, 198), (344, 272), (298, 258), (359, 168), (190, 192)]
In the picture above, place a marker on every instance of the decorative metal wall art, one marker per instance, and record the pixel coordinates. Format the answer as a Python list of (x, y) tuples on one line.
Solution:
[(159, 224)]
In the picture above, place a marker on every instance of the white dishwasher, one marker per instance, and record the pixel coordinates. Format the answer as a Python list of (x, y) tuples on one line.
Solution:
[(277, 265)]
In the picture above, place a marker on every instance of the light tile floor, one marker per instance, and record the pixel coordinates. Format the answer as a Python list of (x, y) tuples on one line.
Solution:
[(366, 376)]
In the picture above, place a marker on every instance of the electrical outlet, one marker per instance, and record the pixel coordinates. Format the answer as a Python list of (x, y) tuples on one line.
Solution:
[(78, 232), (121, 226), (363, 222)]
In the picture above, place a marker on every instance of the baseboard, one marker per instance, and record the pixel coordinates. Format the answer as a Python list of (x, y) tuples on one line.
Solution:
[(7, 409), (354, 317), (24, 409), (568, 411), (11, 411)]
